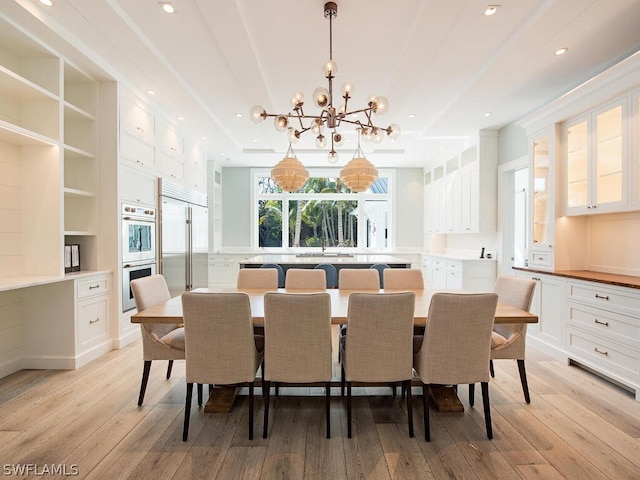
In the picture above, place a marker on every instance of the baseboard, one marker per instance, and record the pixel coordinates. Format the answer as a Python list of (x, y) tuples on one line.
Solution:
[(555, 352), (11, 366), (93, 353), (49, 363), (126, 339)]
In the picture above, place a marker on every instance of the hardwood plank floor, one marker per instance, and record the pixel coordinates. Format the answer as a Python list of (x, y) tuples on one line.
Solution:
[(577, 426)]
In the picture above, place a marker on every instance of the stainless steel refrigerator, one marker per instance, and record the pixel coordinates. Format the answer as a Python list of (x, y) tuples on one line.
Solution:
[(183, 237)]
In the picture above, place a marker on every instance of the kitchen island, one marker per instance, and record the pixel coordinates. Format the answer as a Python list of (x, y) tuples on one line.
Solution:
[(339, 260)]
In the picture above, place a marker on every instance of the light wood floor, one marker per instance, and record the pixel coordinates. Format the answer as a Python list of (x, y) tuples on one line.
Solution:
[(577, 426)]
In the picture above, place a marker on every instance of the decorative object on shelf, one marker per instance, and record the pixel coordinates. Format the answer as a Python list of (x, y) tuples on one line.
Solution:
[(359, 174), (72, 258), (289, 173), (330, 117)]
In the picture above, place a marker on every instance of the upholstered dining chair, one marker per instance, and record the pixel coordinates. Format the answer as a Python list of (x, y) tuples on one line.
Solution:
[(297, 346), (279, 269), (306, 279), (358, 279), (456, 346), (331, 272), (403, 279), (259, 278), (220, 345), (380, 268), (160, 341), (508, 341), (377, 347)]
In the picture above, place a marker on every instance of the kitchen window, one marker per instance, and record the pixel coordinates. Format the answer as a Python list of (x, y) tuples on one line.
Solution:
[(324, 213)]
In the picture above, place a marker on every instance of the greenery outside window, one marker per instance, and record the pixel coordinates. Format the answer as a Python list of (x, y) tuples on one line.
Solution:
[(324, 213)]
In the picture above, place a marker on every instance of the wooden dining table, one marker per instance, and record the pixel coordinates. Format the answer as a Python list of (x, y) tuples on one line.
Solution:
[(444, 398)]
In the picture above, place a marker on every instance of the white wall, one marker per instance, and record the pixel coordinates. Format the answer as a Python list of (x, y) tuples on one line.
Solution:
[(409, 208)]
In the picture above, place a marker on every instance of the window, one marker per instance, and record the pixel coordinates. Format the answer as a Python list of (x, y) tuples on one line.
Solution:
[(324, 213)]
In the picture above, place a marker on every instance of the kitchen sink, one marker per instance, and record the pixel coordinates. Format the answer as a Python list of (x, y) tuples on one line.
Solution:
[(324, 254)]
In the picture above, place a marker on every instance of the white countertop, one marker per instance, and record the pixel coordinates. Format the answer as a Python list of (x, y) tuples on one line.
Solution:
[(292, 259), (24, 281)]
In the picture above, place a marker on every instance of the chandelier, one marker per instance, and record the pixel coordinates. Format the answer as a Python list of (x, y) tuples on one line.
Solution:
[(325, 124)]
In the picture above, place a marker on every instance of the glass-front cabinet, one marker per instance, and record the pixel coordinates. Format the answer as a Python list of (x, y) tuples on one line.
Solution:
[(596, 161), (542, 200)]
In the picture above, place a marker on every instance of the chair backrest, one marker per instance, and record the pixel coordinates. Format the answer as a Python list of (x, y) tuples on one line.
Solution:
[(280, 271), (147, 292), (331, 274), (259, 278), (305, 279), (403, 279), (517, 292), (297, 337), (380, 268), (457, 341), (358, 279), (219, 341), (379, 339)]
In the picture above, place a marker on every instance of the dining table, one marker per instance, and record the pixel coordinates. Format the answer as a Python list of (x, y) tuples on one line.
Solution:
[(444, 398)]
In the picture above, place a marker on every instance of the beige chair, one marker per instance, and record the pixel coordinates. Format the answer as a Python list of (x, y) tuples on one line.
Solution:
[(456, 346), (358, 279), (508, 341), (258, 278), (160, 341), (221, 348), (403, 279), (297, 346), (306, 279), (377, 347)]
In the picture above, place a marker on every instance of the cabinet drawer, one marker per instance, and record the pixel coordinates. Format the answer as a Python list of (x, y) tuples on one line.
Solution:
[(541, 259), (607, 354), (170, 167), (136, 150), (614, 299), (136, 120), (92, 287), (454, 267), (93, 321), (609, 324)]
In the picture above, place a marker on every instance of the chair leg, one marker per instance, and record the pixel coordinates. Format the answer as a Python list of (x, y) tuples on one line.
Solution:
[(349, 409), (407, 386), (199, 388), (425, 406), (210, 389), (487, 408), (169, 367), (394, 389), (523, 380), (472, 394), (251, 411), (327, 390), (493, 374), (187, 412), (145, 378), (267, 390), (341, 380)]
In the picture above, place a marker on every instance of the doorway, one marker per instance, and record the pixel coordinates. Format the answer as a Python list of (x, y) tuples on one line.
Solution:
[(513, 214)]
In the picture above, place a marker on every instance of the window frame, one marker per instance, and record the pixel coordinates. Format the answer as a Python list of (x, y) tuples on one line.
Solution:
[(361, 198)]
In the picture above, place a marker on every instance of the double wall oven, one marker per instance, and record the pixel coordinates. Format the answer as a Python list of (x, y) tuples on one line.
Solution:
[(138, 248)]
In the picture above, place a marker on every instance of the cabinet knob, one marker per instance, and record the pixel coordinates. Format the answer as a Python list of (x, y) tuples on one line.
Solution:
[(595, 349), (606, 324), (94, 321), (91, 287), (602, 297)]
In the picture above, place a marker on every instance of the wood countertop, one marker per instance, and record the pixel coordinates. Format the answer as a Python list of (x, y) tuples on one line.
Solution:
[(628, 281)]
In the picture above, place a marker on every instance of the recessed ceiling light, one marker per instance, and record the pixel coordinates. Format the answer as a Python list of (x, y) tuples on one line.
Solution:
[(47, 3), (238, 114), (181, 118), (254, 140), (412, 115), (561, 51), (151, 92), (168, 7), (491, 9), (487, 114)]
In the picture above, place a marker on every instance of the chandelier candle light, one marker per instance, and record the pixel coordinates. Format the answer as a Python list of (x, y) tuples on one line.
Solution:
[(330, 118)]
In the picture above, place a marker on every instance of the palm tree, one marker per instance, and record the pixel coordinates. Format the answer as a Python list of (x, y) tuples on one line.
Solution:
[(270, 223)]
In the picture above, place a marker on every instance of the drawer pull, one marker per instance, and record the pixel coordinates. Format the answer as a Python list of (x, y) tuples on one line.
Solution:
[(91, 287), (600, 351), (91, 322), (606, 324), (603, 297)]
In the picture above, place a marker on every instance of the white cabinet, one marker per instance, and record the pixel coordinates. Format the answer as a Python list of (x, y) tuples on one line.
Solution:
[(92, 314), (603, 330), (596, 160), (549, 304), (224, 268), (446, 272), (216, 211)]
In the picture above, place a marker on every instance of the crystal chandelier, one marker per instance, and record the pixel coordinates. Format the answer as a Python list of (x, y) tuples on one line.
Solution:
[(326, 123)]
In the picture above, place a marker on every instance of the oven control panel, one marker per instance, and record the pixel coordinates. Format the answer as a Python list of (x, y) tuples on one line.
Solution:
[(139, 212)]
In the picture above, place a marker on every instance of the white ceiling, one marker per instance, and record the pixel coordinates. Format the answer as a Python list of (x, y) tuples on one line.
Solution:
[(443, 61)]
